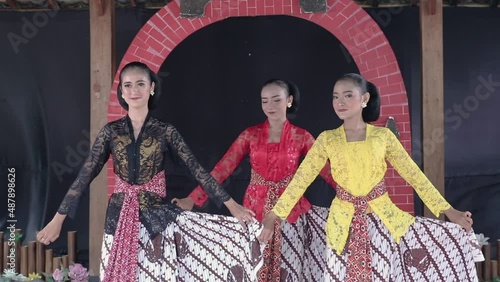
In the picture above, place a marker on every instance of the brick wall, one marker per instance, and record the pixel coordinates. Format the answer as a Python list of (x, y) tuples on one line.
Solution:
[(346, 20)]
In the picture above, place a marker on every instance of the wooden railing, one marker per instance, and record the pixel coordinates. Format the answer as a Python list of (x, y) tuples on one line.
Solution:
[(488, 269), (34, 257)]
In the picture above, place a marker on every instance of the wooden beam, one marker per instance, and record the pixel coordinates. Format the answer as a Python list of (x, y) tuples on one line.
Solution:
[(12, 4), (431, 26), (53, 5), (102, 71), (432, 6), (100, 6)]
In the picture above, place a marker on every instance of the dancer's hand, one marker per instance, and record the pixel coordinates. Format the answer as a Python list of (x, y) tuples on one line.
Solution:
[(268, 230), (51, 231), (243, 214), (186, 204), (463, 219)]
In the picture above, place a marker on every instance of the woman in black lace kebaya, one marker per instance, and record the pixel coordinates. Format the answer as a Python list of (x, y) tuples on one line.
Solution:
[(145, 238)]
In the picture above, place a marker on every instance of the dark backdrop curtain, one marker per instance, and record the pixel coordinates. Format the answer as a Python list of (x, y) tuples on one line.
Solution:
[(211, 93)]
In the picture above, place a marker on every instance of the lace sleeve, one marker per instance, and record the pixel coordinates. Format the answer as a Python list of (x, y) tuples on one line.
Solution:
[(326, 172), (92, 166), (225, 166), (210, 185), (408, 169), (306, 173)]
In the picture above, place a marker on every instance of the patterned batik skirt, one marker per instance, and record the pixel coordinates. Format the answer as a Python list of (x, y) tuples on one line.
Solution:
[(431, 251), (302, 254), (196, 247), (315, 252)]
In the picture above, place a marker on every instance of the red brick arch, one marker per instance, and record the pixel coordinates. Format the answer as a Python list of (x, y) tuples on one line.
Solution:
[(345, 19)]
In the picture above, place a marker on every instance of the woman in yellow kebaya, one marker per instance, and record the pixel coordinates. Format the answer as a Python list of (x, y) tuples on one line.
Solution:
[(368, 237)]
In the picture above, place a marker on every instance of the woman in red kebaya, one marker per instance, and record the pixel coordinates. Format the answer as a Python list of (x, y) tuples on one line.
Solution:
[(275, 148)]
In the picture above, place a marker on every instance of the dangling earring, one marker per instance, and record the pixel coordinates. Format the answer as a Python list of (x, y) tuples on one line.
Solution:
[(363, 104), (152, 92), (289, 104)]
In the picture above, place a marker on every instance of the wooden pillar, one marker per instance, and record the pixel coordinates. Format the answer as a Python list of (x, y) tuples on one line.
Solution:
[(72, 246), (49, 257), (2, 254), (40, 257), (32, 257), (431, 27), (102, 71)]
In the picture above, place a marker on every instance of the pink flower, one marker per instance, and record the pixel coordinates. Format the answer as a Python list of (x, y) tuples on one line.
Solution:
[(58, 275), (78, 273)]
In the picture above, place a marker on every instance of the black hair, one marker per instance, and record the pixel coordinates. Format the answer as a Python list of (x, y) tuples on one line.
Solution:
[(153, 100), (291, 89), (372, 110)]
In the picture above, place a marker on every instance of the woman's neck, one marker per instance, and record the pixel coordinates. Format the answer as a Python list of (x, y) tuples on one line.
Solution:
[(276, 124), (138, 115), (354, 124)]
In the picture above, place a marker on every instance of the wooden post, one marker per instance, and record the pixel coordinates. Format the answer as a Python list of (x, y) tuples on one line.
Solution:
[(498, 255), (56, 263), (49, 255), (19, 233), (102, 71), (40, 257), (72, 247), (494, 269), (479, 269), (487, 263), (6, 251), (31, 257), (65, 261), (431, 27), (24, 261), (2, 254)]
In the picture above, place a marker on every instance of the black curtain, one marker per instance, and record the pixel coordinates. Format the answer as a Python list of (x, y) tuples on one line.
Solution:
[(211, 93)]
